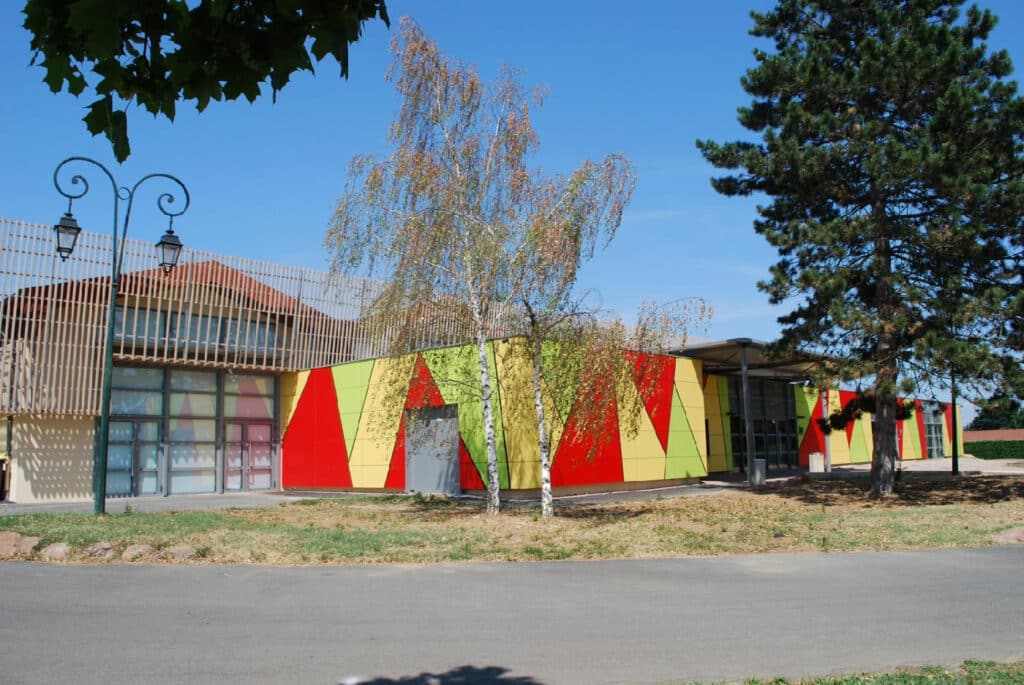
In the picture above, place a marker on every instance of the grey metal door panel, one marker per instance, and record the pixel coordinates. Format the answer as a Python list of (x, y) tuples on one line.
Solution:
[(432, 450)]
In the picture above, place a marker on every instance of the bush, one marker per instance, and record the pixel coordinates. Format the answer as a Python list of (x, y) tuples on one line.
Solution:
[(996, 449)]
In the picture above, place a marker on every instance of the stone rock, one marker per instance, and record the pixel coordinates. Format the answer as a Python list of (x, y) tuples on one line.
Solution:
[(1012, 535), (58, 551), (180, 553), (101, 550), (136, 552), (10, 544), (28, 544)]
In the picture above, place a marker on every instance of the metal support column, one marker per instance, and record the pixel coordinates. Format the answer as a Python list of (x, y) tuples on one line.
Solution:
[(748, 418)]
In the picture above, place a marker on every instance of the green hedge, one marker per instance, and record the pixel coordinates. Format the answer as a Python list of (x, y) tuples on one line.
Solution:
[(996, 449)]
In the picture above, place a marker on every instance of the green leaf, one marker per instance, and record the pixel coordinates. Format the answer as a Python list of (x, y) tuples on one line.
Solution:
[(118, 135), (97, 21), (98, 118), (58, 70)]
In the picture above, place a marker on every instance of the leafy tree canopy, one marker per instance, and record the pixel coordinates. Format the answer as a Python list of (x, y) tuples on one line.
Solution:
[(457, 220), (890, 151), (998, 412), (157, 52)]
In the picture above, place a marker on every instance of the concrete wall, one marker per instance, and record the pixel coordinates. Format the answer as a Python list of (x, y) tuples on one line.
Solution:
[(51, 459)]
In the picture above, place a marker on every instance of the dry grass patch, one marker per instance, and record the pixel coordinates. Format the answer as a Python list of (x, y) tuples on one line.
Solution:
[(800, 515)]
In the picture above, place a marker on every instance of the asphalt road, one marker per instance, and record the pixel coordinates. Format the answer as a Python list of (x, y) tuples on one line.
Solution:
[(589, 622)]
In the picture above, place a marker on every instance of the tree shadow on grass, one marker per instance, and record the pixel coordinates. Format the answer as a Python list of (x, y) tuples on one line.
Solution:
[(460, 675), (602, 514), (911, 490)]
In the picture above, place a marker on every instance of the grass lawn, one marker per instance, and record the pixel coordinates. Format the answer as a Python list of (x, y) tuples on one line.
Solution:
[(801, 515), (970, 673)]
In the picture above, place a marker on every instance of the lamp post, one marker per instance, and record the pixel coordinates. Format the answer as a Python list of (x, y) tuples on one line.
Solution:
[(168, 250)]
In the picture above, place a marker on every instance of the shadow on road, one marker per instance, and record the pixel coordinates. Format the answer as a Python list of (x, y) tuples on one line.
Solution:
[(460, 675)]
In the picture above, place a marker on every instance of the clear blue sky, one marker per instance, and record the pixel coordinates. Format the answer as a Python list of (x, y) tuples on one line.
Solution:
[(646, 79)]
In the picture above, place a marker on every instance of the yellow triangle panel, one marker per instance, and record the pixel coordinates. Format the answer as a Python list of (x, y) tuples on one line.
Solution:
[(379, 421), (292, 385)]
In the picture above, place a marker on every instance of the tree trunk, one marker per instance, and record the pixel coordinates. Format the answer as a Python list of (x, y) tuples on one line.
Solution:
[(547, 505), (883, 457), (493, 497), (883, 453)]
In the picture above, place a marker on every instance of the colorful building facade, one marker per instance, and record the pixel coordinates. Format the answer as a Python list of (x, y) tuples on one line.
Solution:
[(345, 426)]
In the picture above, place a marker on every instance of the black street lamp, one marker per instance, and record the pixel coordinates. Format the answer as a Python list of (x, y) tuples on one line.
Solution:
[(168, 251)]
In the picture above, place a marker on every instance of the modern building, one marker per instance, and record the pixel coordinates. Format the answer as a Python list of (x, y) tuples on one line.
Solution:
[(346, 428), (235, 374)]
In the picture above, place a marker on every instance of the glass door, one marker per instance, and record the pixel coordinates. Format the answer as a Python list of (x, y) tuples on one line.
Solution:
[(133, 457), (248, 455)]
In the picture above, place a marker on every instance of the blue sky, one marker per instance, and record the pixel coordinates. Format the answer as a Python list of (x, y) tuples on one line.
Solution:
[(646, 82)]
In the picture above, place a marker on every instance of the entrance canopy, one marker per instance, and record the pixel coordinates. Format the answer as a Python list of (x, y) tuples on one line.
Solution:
[(725, 358), (746, 358)]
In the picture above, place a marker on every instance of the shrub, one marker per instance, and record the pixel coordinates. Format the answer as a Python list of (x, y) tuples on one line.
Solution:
[(996, 449)]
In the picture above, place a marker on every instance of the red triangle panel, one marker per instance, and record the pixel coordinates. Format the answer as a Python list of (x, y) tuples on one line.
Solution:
[(587, 458), (313, 448), (813, 438), (654, 377)]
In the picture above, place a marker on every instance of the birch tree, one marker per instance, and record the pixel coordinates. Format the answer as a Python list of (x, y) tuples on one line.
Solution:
[(447, 217), (586, 362)]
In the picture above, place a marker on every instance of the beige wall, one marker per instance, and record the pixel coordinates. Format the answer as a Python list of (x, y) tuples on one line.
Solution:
[(52, 459)]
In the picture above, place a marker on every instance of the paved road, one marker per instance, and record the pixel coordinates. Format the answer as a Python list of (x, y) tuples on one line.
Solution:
[(596, 622)]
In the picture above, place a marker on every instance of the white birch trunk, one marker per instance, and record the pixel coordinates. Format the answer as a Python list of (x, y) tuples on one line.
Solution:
[(493, 498), (547, 505)]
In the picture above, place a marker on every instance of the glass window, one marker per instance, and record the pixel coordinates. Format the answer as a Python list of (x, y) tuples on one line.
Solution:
[(149, 431), (259, 432), (238, 384), (119, 457), (149, 484), (249, 335), (138, 325), (195, 330), (141, 402), (193, 481), (252, 407), (233, 432), (192, 457), (148, 457), (119, 484), (136, 378), (194, 381), (192, 430), (193, 404), (120, 431)]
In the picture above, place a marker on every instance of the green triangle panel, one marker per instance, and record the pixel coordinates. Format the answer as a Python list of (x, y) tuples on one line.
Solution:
[(859, 451), (453, 369), (805, 402), (351, 382), (562, 400), (682, 460)]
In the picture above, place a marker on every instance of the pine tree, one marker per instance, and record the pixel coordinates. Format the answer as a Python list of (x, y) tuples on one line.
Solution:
[(890, 149)]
